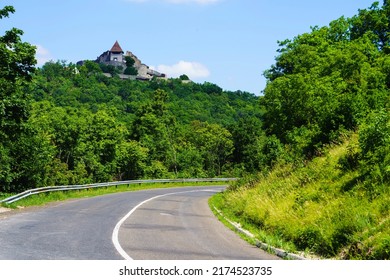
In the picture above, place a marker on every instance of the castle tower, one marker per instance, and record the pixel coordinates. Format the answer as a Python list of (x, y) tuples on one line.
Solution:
[(116, 53)]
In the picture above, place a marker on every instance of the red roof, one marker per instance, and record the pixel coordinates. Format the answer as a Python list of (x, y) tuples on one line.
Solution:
[(116, 48)]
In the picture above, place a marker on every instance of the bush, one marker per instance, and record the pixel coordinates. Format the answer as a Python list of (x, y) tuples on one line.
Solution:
[(272, 151), (311, 237), (130, 70), (374, 142), (184, 77)]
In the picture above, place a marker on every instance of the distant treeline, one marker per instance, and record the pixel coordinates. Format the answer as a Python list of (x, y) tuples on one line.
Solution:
[(79, 126)]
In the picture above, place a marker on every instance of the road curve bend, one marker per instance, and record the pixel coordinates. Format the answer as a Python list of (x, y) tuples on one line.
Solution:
[(162, 224), (180, 226)]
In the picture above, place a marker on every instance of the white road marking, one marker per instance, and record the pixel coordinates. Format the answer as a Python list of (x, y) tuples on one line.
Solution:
[(166, 214), (115, 233)]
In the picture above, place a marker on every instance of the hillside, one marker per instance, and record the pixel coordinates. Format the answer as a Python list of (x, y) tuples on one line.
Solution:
[(319, 209), (325, 184)]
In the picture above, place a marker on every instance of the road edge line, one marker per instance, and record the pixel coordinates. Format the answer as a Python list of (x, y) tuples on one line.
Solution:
[(115, 233), (264, 246)]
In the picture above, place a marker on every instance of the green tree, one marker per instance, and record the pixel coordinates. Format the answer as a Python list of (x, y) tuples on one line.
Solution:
[(184, 77), (214, 143), (374, 142), (91, 67), (246, 133), (154, 127), (131, 160), (375, 23), (323, 82), (130, 69), (17, 60)]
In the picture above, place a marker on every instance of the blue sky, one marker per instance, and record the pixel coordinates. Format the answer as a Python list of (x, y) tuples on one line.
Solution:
[(227, 42)]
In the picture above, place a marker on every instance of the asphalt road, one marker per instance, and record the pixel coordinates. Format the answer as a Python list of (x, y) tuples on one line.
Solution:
[(159, 224)]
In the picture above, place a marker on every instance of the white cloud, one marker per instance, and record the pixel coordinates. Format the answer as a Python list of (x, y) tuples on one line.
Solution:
[(201, 2), (42, 55), (194, 70)]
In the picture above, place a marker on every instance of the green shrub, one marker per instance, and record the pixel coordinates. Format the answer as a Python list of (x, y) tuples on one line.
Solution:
[(130, 70), (374, 142)]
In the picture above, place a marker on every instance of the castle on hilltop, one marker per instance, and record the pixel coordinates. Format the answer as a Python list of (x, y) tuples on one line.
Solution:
[(112, 57), (117, 58)]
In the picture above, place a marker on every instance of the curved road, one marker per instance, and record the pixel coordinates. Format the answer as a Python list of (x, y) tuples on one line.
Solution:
[(161, 224)]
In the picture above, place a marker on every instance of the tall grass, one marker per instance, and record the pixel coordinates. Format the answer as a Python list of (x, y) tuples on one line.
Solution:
[(319, 208)]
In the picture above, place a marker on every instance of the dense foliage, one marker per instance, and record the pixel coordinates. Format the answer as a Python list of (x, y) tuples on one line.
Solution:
[(332, 80), (327, 81), (320, 134), (327, 125), (17, 61), (81, 126)]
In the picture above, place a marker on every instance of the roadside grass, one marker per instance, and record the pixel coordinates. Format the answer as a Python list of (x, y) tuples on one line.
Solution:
[(216, 201), (44, 198), (5, 195), (318, 210)]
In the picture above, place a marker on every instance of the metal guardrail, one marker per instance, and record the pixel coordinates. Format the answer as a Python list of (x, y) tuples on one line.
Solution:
[(30, 192)]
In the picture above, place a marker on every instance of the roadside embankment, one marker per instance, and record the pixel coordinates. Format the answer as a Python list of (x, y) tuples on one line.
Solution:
[(319, 209)]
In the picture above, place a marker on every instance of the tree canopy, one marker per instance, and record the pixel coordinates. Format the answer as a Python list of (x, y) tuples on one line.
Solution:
[(328, 80), (17, 60)]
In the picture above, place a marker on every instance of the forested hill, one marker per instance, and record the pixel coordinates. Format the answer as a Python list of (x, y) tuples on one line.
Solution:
[(81, 126), (68, 85)]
